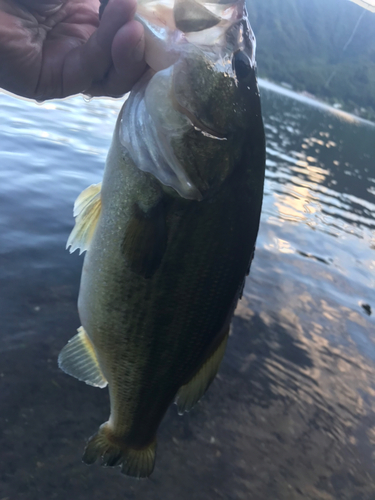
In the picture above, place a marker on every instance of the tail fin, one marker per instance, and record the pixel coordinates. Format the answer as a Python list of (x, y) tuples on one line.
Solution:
[(135, 462)]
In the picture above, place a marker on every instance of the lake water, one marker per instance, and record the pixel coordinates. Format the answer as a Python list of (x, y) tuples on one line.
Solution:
[(292, 413)]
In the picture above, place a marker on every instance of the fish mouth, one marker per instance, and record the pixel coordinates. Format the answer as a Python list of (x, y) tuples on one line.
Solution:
[(172, 25)]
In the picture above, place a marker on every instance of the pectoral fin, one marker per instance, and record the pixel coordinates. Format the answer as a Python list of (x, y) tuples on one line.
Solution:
[(145, 240), (191, 16), (87, 209), (78, 359), (190, 393)]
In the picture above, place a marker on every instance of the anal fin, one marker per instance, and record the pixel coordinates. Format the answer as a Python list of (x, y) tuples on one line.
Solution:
[(190, 393), (78, 359), (87, 208)]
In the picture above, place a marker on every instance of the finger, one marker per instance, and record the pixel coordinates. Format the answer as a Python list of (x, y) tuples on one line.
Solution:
[(91, 61), (128, 62), (128, 45), (97, 52), (113, 85)]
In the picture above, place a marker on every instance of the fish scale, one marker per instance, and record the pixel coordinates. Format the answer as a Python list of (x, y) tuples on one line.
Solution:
[(192, 314)]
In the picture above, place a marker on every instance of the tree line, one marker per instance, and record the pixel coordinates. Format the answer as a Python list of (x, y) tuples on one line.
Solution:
[(325, 47)]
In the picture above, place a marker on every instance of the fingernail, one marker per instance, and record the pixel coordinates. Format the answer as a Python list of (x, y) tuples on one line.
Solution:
[(139, 50)]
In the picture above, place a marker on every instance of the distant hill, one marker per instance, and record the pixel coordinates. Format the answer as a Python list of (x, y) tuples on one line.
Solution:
[(326, 47)]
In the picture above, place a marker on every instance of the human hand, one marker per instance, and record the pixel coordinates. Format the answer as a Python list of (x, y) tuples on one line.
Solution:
[(56, 48)]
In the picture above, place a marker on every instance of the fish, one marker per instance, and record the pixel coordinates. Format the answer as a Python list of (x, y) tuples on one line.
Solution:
[(170, 232)]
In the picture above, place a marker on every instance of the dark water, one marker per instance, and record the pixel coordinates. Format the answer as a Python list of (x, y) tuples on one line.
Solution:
[(292, 412)]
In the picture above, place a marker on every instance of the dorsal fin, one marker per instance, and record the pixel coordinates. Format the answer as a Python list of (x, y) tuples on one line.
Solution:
[(190, 393), (87, 208), (78, 359)]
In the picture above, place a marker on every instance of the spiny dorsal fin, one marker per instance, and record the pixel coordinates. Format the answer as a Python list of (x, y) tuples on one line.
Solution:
[(190, 393), (87, 209), (191, 16), (78, 359)]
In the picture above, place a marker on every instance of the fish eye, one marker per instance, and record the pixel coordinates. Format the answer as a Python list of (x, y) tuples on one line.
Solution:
[(241, 64)]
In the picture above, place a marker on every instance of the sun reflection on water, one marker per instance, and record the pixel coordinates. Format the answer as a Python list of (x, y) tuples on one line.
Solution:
[(313, 345)]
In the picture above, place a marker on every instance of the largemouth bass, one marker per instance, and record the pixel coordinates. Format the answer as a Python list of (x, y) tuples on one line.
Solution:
[(170, 232)]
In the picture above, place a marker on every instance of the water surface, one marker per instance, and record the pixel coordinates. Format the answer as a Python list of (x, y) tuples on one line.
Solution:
[(292, 412)]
